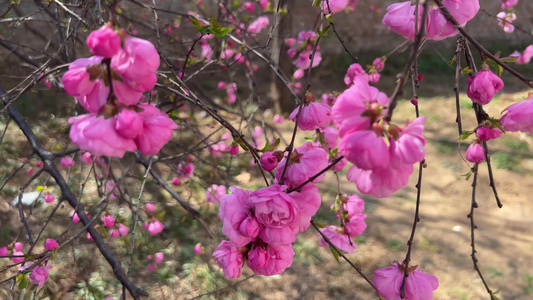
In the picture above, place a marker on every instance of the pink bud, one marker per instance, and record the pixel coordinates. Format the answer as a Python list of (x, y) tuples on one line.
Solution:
[(108, 220), (198, 249), (89, 237), (268, 161), (158, 257), (249, 6), (414, 101), (151, 267), (233, 150), (221, 85), (50, 244), (18, 259), (49, 198), (86, 158), (39, 164), (475, 153), (176, 181), (104, 41), (30, 171), (67, 162), (123, 229), (150, 207), (278, 119), (18, 246), (114, 233)]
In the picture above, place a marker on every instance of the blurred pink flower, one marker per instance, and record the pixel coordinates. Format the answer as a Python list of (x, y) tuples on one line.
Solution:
[(108, 220), (67, 162), (154, 226), (418, 285), (39, 275), (50, 244), (214, 193), (517, 116)]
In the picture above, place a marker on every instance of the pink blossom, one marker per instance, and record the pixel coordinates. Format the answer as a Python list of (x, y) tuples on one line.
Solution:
[(39, 275), (137, 63), (111, 189), (158, 257), (158, 130), (418, 285), (104, 42), (215, 193), (291, 52), (150, 207), (18, 246), (176, 181), (308, 200), (483, 86), (354, 70), (517, 116), (400, 18), (18, 258), (355, 225), (89, 237), (331, 137), (186, 171), (485, 133), (365, 149), (151, 267), (312, 116), (227, 54), (114, 233), (278, 119), (233, 149), (249, 6), (289, 42), (39, 164), (86, 158), (76, 218), (206, 50), (506, 21), (410, 145), (198, 249), (50, 244), (91, 94), (108, 220), (298, 74), (379, 63), (229, 258), (221, 85), (231, 90), (374, 77), (338, 238), (303, 61), (268, 260), (334, 6), (269, 160), (4, 251), (354, 205), (154, 226), (525, 57), (348, 110), (30, 171), (258, 25), (274, 208), (123, 229), (438, 27), (263, 4), (380, 183), (340, 165), (67, 162), (97, 135), (305, 161), (506, 4), (128, 124), (475, 153), (49, 198), (462, 10), (239, 224)]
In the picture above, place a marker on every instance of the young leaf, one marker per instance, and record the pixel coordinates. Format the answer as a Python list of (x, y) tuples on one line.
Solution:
[(335, 254)]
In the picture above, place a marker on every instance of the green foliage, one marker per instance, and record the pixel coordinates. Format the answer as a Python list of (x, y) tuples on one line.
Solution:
[(504, 160), (395, 244), (528, 287)]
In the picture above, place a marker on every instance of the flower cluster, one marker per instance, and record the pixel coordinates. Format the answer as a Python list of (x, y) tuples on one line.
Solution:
[(261, 225), (350, 211), (400, 18), (383, 154), (110, 86), (302, 49)]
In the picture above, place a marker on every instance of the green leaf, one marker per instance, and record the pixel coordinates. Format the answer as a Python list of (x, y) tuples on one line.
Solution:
[(22, 281), (496, 66), (205, 29), (221, 32), (454, 59), (329, 18), (196, 23), (40, 188), (509, 59), (467, 175), (324, 31), (466, 70), (239, 141), (316, 2), (266, 148), (335, 254), (466, 134), (496, 122)]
